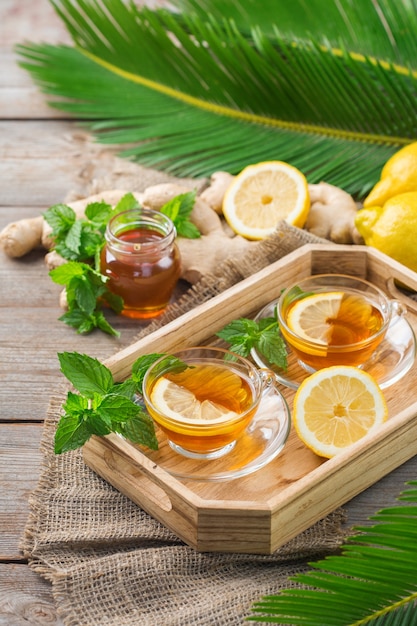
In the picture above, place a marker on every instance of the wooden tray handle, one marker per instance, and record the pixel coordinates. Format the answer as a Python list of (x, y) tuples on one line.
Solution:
[(144, 482), (395, 292)]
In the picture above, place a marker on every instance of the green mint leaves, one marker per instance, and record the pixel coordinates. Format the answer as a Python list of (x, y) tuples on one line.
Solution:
[(178, 210), (244, 334), (102, 406), (81, 239), (86, 293)]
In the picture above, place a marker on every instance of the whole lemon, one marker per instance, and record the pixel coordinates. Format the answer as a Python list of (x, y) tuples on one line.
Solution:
[(392, 229), (399, 175)]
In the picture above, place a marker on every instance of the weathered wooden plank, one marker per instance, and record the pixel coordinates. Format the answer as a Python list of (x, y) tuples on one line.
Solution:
[(20, 461), (25, 598)]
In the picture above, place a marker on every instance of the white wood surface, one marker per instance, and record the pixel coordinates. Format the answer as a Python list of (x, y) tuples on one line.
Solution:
[(41, 159)]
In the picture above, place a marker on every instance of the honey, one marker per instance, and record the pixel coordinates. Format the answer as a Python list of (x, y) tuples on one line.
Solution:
[(141, 261)]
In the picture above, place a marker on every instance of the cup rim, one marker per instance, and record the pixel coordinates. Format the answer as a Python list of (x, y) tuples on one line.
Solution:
[(335, 347)]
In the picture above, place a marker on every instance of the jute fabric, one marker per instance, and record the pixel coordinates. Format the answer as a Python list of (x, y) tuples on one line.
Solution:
[(109, 562)]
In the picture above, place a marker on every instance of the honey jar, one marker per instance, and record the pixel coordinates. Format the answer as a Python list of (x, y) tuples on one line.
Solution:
[(141, 260)]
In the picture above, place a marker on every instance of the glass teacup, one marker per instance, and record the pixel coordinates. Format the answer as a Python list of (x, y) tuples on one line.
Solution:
[(335, 319), (203, 399)]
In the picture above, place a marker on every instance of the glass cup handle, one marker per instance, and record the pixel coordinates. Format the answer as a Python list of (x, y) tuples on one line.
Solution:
[(398, 311), (268, 380)]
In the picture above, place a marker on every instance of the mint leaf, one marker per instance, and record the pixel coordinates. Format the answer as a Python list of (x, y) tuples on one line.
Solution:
[(101, 323), (75, 403), (86, 373), (140, 430), (60, 218), (187, 229), (98, 213), (84, 293), (126, 203), (143, 363), (241, 334), (98, 424), (116, 408), (141, 366), (63, 273), (73, 237), (179, 209), (72, 433)]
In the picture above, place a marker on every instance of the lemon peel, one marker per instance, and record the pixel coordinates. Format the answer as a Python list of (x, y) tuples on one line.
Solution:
[(392, 228), (399, 175)]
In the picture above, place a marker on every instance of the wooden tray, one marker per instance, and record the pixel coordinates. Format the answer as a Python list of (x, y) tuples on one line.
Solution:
[(259, 512)]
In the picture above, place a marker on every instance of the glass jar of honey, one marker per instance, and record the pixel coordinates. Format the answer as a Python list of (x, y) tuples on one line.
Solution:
[(141, 260)]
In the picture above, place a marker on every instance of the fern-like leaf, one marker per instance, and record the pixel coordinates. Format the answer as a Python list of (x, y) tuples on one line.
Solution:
[(372, 582), (219, 85)]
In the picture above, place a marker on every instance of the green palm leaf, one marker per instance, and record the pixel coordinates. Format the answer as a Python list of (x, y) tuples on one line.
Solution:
[(192, 92), (372, 582)]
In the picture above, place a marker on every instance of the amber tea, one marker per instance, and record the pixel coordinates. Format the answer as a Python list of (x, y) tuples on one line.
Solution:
[(334, 320), (205, 407)]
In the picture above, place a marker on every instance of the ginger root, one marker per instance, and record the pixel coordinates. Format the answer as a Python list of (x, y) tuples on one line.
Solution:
[(332, 214), (213, 194), (19, 238)]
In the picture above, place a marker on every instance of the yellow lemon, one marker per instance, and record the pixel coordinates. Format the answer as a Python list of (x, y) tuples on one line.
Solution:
[(399, 175), (392, 229), (264, 194), (179, 403), (335, 407)]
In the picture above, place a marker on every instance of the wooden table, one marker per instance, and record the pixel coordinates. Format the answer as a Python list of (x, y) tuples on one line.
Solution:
[(42, 158)]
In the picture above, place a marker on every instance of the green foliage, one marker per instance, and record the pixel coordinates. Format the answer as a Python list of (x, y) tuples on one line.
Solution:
[(102, 406), (373, 581), (328, 85), (244, 334)]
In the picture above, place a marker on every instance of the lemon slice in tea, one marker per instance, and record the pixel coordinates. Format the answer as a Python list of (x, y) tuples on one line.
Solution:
[(179, 403), (309, 317)]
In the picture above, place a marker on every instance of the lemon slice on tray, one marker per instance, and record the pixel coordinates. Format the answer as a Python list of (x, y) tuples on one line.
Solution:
[(264, 194), (180, 404), (337, 406)]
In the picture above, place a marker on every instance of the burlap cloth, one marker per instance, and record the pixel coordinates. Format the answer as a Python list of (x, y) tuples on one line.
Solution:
[(111, 563)]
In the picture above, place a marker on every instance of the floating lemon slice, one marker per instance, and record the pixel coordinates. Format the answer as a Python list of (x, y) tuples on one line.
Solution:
[(180, 404), (309, 316), (337, 406), (264, 194)]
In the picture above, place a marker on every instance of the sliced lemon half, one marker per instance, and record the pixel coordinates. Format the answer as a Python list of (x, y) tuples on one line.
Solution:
[(264, 194), (337, 406), (179, 403)]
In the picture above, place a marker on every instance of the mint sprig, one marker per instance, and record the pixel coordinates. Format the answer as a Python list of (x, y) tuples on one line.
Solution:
[(244, 334), (179, 210), (102, 406), (86, 292)]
